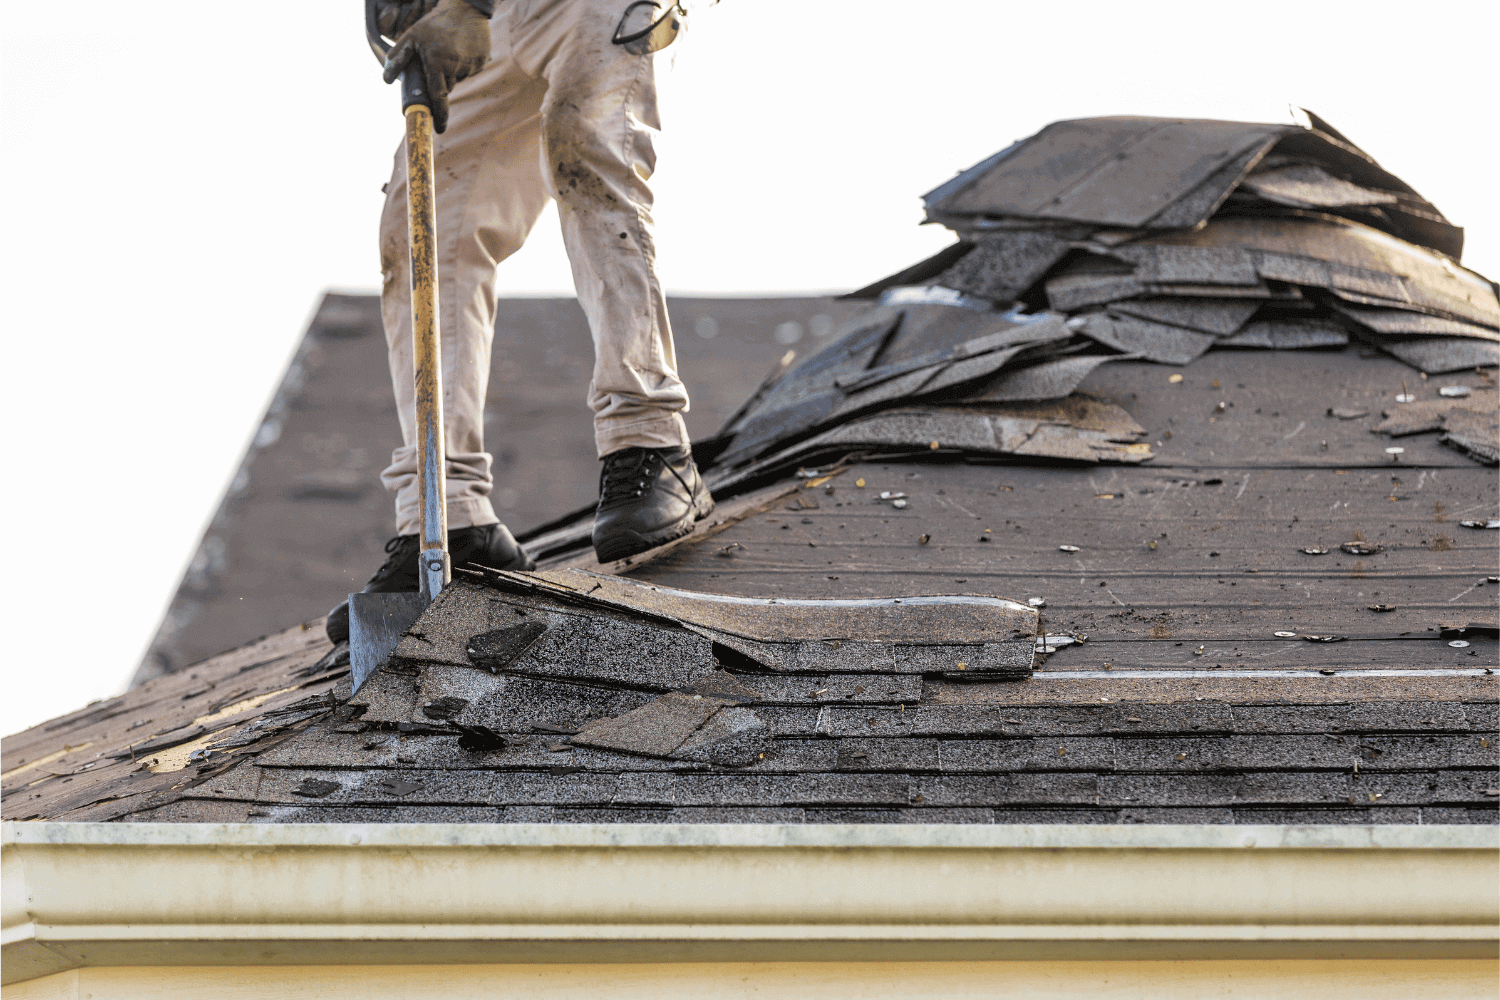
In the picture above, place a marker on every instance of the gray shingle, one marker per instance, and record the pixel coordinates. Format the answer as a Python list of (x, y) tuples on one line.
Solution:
[(1023, 816), (1420, 717), (1258, 816), (853, 815), (732, 815), (1084, 753), (507, 789), (732, 737), (1465, 786), (825, 789), (1410, 753), (656, 728), (638, 788), (911, 755), (373, 814), (523, 702), (1448, 814), (854, 689), (963, 816), (1157, 814), (1007, 789)]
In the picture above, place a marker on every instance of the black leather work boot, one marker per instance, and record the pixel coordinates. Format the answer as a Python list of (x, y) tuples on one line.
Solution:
[(647, 497), (488, 545)]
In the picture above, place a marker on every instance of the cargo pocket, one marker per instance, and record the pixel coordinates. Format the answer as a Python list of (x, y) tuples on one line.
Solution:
[(647, 27)]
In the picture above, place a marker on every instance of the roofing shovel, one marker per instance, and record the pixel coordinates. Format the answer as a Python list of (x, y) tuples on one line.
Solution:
[(376, 621)]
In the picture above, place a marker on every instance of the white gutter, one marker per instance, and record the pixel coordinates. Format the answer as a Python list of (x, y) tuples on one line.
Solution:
[(183, 894)]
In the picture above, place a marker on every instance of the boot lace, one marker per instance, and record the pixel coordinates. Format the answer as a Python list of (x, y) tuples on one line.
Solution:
[(628, 476)]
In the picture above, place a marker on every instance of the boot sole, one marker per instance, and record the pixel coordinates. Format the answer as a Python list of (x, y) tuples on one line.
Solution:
[(631, 543)]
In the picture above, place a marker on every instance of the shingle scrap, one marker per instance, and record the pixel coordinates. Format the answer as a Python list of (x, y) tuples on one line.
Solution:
[(667, 673), (1242, 210), (1469, 424)]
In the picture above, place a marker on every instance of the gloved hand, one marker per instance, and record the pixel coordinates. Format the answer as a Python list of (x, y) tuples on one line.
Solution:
[(395, 16), (452, 41)]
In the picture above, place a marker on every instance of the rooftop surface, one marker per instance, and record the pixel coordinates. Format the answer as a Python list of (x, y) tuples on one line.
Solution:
[(1183, 705), (1099, 549)]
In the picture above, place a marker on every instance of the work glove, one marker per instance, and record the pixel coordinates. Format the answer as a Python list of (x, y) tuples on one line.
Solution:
[(395, 16), (452, 40)]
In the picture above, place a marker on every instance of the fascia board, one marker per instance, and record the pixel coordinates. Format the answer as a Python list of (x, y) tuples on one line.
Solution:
[(182, 894)]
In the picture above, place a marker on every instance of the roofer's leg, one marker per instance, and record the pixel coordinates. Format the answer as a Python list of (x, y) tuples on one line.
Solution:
[(599, 118), (489, 194)]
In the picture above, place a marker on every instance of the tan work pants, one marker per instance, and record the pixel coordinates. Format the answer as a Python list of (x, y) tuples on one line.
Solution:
[(558, 112)]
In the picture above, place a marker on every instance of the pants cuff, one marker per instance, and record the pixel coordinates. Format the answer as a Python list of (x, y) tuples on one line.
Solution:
[(667, 431)]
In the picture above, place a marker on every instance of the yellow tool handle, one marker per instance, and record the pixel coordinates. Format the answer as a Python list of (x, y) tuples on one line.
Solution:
[(421, 218)]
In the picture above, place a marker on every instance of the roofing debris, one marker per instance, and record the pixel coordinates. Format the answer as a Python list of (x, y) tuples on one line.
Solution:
[(634, 668), (1129, 238), (1469, 423), (930, 368), (169, 738)]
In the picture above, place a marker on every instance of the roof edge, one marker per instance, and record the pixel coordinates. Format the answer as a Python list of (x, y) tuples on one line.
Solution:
[(1065, 836)]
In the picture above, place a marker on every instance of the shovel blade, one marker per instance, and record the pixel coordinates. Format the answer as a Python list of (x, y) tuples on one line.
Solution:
[(376, 622)]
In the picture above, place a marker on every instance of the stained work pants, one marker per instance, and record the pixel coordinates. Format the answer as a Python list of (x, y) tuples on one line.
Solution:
[(558, 113)]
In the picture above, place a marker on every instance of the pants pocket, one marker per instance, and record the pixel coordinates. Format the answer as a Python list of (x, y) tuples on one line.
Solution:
[(647, 27)]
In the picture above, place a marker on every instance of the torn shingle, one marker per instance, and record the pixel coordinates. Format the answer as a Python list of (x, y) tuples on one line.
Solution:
[(315, 788), (1161, 239), (1306, 185), (723, 686), (399, 787), (444, 708), (655, 729), (1287, 335), (1210, 195), (549, 641), (1220, 317), (1167, 264), (1110, 171), (496, 649), (1475, 434), (977, 431), (1400, 321), (1049, 380), (1158, 342), (479, 739), (1002, 266), (1078, 288), (523, 703), (731, 737), (1355, 257), (1437, 355), (880, 620)]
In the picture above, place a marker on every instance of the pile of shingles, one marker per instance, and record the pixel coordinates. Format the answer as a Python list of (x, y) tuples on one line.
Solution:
[(933, 369), (1126, 238), (1167, 237)]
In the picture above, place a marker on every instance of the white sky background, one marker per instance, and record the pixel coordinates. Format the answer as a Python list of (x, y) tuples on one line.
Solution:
[(183, 179)]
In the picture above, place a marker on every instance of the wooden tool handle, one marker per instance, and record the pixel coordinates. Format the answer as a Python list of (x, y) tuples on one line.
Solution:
[(421, 218)]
